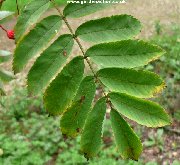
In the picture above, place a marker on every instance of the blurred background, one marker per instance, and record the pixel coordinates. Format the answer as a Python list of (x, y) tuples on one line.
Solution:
[(29, 137)]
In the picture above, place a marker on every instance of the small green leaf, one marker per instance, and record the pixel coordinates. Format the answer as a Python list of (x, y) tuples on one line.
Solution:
[(76, 10), (5, 15), (124, 54), (108, 29), (4, 56), (127, 142), (138, 83), (36, 41), (72, 121), (6, 76), (61, 91), (142, 111), (49, 63), (29, 15), (91, 135)]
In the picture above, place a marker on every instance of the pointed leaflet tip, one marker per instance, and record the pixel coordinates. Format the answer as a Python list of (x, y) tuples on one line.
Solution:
[(127, 142), (142, 111), (91, 136)]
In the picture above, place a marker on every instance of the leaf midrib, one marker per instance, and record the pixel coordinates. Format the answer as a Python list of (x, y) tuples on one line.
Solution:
[(97, 31), (122, 54), (130, 82)]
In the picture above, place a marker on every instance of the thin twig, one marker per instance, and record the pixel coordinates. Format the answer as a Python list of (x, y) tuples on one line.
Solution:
[(17, 6), (3, 28), (97, 80)]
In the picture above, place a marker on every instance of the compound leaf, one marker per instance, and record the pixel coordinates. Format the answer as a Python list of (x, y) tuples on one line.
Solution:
[(91, 135), (138, 83), (142, 111), (49, 63), (108, 29), (36, 41), (29, 15), (127, 142), (76, 10), (124, 54), (72, 121), (61, 91)]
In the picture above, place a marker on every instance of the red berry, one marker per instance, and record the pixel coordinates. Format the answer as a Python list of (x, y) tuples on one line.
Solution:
[(10, 34)]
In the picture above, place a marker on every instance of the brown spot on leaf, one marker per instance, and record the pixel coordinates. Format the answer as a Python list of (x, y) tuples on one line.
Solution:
[(64, 53), (78, 130), (82, 99)]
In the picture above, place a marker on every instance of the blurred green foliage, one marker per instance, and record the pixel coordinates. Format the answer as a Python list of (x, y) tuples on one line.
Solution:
[(28, 136), (155, 139)]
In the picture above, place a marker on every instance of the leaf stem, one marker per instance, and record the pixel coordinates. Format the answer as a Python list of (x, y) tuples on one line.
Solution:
[(97, 80), (17, 6)]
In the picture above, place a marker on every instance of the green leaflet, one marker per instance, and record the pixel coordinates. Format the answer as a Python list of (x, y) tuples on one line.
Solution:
[(4, 15), (35, 41), (108, 29), (4, 56), (124, 54), (61, 91), (6, 76), (138, 83), (29, 15), (128, 143), (142, 111), (72, 121), (48, 64), (79, 10), (91, 135)]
